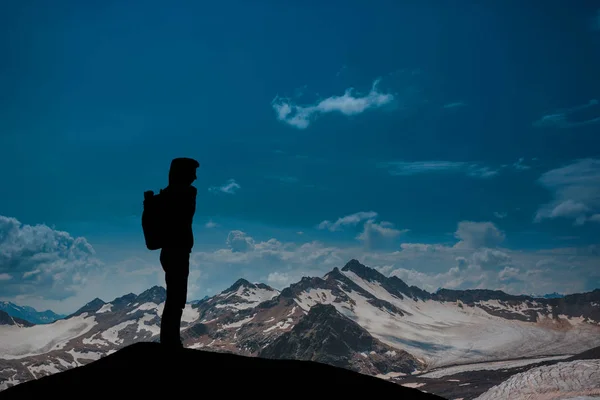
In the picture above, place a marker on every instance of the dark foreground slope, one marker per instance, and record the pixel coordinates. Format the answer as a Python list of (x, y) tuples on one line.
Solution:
[(148, 371)]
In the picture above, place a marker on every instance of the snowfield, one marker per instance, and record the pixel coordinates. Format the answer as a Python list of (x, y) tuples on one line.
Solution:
[(565, 380), (444, 333), (490, 366), (20, 342)]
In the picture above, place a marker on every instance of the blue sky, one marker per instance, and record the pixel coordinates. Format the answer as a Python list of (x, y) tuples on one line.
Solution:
[(453, 146)]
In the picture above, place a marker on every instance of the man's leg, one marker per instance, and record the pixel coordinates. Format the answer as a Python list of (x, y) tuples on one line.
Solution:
[(176, 266)]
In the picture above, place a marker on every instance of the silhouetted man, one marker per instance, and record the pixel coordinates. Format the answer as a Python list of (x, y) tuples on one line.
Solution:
[(179, 207)]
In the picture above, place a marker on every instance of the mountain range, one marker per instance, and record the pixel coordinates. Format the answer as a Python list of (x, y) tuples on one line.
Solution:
[(29, 313), (354, 318)]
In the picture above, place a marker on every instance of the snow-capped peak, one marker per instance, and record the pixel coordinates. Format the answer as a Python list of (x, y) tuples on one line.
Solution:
[(243, 295)]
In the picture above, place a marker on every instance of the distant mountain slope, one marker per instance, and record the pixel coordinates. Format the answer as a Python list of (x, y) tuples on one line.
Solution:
[(29, 313), (132, 372), (6, 319)]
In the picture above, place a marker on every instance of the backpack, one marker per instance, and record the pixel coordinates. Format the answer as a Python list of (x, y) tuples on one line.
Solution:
[(153, 219)]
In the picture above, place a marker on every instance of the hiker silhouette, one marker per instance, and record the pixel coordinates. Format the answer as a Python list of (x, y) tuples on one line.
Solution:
[(178, 206)]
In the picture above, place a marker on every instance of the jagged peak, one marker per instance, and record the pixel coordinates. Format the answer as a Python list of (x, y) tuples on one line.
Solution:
[(370, 274), (153, 291), (91, 306), (335, 273), (125, 297), (156, 294), (155, 288), (96, 301), (245, 283), (353, 264)]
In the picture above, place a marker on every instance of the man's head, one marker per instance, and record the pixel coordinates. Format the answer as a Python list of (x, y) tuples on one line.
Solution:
[(183, 171)]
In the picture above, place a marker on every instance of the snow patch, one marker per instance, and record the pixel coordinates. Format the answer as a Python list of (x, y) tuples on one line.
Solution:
[(309, 298), (238, 324), (105, 308), (251, 297), (43, 370), (93, 341), (90, 355), (390, 375), (281, 325), (190, 314), (112, 333), (144, 307), (489, 366), (413, 385), (141, 324)]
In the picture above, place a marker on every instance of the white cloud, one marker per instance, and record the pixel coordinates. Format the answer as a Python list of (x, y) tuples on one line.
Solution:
[(474, 235), (239, 241), (280, 279), (519, 165), (474, 262), (50, 269), (211, 224), (576, 192), (348, 104), (500, 215), (457, 104), (490, 258), (405, 168), (378, 234), (348, 220), (230, 187), (42, 260), (560, 118), (453, 278), (508, 273), (514, 272)]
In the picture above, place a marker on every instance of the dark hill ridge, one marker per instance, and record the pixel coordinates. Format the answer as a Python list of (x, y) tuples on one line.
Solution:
[(324, 335), (6, 319), (90, 307), (148, 371)]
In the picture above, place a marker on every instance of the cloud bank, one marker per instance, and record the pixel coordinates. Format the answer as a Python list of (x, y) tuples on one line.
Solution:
[(46, 268), (575, 190)]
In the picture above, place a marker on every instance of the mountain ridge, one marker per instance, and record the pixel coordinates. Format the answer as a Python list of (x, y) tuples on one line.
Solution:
[(410, 331), (29, 314)]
